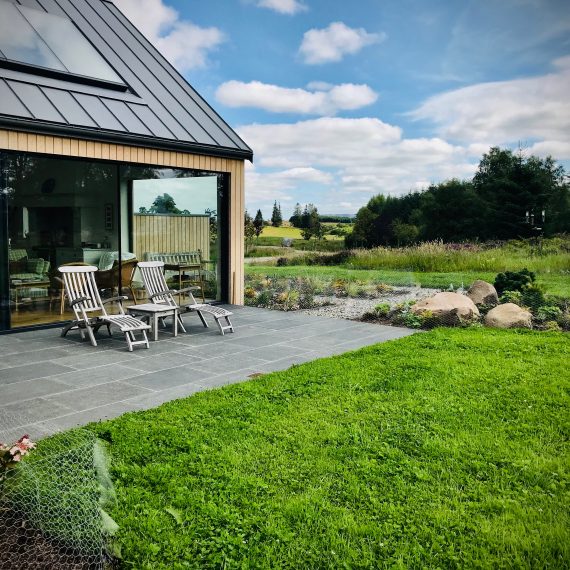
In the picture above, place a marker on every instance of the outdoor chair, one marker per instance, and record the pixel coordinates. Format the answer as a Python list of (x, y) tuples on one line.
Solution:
[(120, 271), (152, 273), (90, 312)]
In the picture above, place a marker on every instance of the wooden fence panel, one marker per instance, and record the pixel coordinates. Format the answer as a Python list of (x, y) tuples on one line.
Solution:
[(162, 233)]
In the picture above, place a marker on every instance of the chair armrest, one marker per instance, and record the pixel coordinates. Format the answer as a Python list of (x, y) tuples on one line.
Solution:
[(165, 292), (79, 300), (119, 300), (186, 289)]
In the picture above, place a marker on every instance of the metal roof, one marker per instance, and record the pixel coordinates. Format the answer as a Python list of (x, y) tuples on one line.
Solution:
[(159, 109)]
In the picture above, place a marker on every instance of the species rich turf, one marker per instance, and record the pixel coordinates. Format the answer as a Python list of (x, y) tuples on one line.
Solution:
[(446, 449)]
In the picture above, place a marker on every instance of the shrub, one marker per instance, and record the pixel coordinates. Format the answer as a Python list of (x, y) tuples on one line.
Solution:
[(533, 296), (513, 280), (282, 261), (512, 297), (548, 313)]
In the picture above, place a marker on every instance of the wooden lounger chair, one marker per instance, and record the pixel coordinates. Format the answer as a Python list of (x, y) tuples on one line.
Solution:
[(90, 313), (152, 273)]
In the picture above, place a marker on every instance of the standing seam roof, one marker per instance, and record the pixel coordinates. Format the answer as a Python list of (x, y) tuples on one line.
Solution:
[(160, 110)]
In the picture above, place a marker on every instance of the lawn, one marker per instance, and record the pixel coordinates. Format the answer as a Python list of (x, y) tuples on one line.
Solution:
[(553, 283), (446, 449)]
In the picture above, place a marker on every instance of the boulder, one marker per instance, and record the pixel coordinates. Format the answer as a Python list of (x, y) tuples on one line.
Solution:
[(483, 293), (508, 316), (450, 308)]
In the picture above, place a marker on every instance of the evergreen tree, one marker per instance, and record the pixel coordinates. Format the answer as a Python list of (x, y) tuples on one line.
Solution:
[(313, 228), (295, 219), (276, 217), (258, 223)]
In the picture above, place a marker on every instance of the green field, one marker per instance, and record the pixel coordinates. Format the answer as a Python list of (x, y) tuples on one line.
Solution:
[(446, 449), (553, 283), (290, 232)]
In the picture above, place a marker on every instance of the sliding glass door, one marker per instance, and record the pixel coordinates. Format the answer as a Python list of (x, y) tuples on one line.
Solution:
[(57, 211)]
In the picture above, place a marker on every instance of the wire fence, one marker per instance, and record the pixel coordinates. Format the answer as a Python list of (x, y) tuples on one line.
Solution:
[(52, 507)]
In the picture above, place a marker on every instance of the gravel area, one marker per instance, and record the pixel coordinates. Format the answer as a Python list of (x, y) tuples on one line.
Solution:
[(354, 308)]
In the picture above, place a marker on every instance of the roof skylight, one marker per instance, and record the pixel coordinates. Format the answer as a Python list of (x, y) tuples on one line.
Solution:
[(49, 41)]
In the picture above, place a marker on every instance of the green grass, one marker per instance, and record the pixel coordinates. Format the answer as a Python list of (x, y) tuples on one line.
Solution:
[(446, 449), (553, 283), (290, 232), (554, 256)]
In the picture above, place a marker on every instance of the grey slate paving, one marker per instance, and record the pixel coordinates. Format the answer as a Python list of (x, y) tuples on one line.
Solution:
[(63, 382), (31, 371)]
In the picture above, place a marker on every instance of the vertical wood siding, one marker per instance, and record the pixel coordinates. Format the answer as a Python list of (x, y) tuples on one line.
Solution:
[(170, 234), (64, 146)]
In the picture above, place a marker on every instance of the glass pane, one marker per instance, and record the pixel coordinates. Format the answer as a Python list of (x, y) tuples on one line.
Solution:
[(20, 42), (175, 220), (59, 211), (69, 45)]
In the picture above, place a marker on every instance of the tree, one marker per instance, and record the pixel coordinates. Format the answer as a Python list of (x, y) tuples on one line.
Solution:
[(164, 205), (511, 185), (404, 234), (249, 231), (276, 216), (258, 223), (295, 219), (313, 227)]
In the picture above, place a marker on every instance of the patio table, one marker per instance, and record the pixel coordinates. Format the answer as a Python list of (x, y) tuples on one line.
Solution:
[(152, 312)]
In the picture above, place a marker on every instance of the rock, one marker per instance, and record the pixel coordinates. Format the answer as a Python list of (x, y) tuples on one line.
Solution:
[(483, 293), (450, 308), (508, 316)]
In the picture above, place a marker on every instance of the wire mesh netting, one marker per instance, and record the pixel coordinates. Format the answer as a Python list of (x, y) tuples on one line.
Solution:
[(52, 506)]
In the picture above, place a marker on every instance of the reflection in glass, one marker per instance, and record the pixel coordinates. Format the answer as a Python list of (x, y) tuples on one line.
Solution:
[(69, 45), (56, 215), (20, 42), (47, 40), (175, 220)]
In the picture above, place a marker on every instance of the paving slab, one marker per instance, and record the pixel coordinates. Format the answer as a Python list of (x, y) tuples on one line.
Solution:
[(49, 383)]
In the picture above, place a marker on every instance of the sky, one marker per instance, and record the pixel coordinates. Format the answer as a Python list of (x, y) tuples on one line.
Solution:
[(193, 194), (341, 101)]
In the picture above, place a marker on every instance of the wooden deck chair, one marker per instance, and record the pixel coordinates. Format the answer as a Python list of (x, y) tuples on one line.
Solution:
[(90, 313), (152, 273)]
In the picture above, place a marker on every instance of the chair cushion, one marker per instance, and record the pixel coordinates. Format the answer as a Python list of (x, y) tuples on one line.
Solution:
[(109, 257), (40, 266), (17, 254)]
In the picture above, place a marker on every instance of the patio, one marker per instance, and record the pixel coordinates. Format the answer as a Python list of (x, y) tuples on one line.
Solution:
[(49, 383)]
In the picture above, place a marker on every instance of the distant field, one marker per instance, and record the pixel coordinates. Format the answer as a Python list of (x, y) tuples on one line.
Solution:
[(291, 232)]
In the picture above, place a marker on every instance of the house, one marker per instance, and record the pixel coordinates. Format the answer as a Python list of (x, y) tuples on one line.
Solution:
[(106, 154)]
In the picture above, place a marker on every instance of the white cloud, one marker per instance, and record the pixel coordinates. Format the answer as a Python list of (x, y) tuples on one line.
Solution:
[(504, 112), (182, 42), (283, 6), (327, 101), (333, 43), (333, 160)]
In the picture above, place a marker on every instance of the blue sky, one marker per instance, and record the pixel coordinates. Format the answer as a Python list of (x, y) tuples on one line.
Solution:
[(344, 100)]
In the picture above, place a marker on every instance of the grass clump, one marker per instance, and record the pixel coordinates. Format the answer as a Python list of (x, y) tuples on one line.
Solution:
[(445, 449)]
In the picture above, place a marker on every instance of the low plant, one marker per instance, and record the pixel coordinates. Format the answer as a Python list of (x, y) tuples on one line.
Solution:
[(514, 280), (511, 297), (11, 455), (382, 309), (548, 313)]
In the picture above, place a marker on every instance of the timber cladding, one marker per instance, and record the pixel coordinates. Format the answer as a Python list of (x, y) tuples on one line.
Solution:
[(72, 147), (170, 234)]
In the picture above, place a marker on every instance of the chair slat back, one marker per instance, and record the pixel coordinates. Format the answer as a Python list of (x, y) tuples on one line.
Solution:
[(79, 281), (152, 273)]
